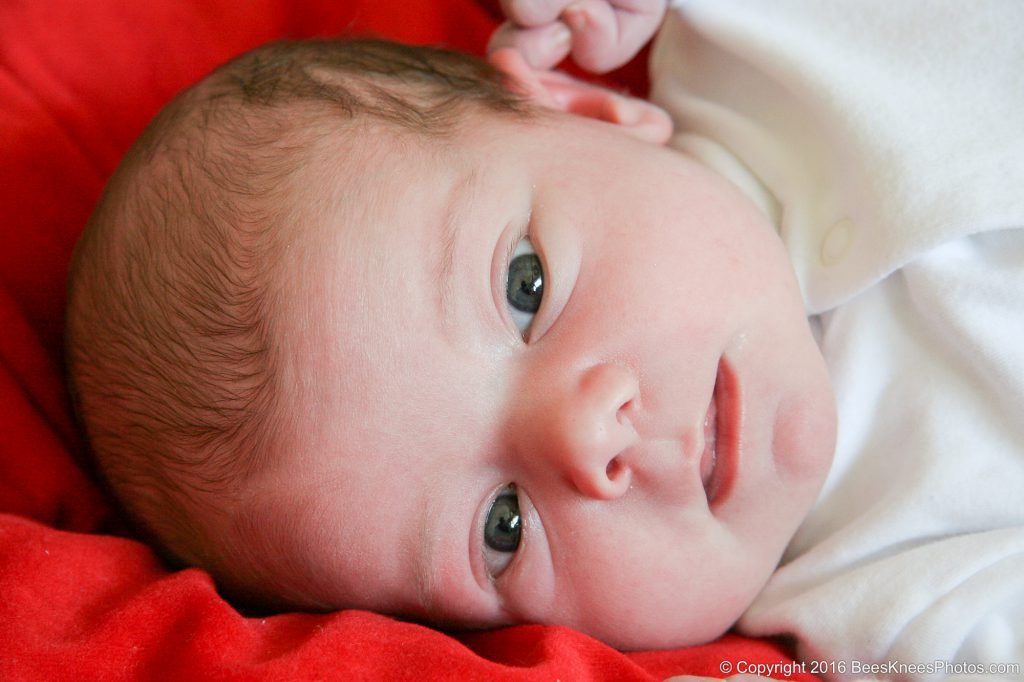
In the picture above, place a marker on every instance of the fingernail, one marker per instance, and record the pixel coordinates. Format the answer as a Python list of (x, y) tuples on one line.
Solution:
[(628, 112), (575, 16), (563, 36)]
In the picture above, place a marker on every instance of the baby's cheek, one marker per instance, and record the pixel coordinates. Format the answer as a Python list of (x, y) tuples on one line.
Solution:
[(528, 588), (805, 434), (669, 585)]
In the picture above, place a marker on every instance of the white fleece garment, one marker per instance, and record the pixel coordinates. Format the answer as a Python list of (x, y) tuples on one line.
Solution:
[(886, 142)]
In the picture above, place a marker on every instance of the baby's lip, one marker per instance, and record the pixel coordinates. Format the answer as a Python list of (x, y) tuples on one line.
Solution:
[(718, 462), (709, 458)]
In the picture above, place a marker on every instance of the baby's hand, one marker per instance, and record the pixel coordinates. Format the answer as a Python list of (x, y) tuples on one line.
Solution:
[(601, 34)]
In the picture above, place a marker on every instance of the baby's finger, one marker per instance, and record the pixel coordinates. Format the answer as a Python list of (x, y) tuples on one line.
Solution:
[(542, 47), (605, 37), (531, 13)]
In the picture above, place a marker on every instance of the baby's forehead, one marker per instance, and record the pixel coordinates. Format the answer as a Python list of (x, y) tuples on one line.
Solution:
[(357, 184), (363, 275)]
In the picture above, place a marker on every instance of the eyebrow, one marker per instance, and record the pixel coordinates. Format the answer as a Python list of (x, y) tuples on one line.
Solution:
[(460, 194), (425, 565), (434, 555)]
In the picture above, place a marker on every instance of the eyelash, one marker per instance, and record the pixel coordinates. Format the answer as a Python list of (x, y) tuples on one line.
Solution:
[(510, 248), (524, 233), (488, 553)]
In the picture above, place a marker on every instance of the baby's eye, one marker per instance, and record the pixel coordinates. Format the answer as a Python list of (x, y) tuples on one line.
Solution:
[(502, 530), (525, 287)]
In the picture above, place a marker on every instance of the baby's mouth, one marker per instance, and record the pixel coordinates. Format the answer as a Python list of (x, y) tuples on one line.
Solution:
[(718, 463)]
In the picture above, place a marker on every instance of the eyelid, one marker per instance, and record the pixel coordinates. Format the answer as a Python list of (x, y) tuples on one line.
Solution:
[(491, 499), (524, 564), (478, 564), (510, 247), (560, 251), (527, 585), (510, 237), (511, 244)]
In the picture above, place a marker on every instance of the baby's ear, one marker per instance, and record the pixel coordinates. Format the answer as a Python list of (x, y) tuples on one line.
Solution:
[(562, 92)]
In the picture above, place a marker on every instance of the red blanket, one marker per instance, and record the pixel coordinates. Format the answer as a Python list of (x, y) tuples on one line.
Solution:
[(79, 597)]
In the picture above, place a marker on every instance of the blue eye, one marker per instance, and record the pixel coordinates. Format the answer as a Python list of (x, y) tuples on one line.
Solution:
[(524, 289), (503, 529)]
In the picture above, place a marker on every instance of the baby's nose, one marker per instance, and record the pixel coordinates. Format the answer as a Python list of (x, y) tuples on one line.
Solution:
[(592, 430)]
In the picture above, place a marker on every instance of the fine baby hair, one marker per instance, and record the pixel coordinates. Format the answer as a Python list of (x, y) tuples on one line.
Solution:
[(170, 329)]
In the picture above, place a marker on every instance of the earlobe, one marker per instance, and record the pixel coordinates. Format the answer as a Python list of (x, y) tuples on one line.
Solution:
[(561, 92)]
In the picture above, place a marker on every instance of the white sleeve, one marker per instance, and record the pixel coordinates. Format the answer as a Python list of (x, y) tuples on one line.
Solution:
[(883, 129), (889, 136), (914, 552)]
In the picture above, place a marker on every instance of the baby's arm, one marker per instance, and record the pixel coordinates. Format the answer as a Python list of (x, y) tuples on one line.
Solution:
[(601, 34)]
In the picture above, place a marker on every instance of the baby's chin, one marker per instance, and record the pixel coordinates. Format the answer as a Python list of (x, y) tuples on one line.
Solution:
[(672, 629)]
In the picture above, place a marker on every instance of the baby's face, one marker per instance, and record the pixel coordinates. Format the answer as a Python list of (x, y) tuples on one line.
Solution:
[(452, 466)]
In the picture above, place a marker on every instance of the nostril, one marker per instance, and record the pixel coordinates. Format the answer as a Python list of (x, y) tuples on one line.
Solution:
[(614, 469), (622, 415)]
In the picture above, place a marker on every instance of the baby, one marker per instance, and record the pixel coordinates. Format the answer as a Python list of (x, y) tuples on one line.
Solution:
[(364, 325)]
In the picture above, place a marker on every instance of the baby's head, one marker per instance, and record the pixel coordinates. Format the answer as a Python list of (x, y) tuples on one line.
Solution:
[(363, 325)]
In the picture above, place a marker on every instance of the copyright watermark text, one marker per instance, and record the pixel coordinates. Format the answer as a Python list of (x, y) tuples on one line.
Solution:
[(854, 667)]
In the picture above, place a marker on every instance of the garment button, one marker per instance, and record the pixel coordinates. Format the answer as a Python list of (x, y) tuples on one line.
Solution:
[(837, 242)]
